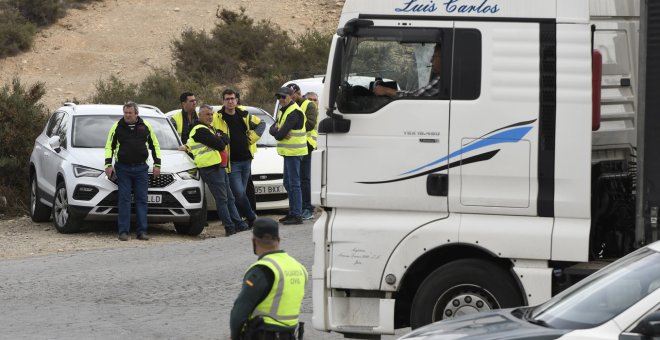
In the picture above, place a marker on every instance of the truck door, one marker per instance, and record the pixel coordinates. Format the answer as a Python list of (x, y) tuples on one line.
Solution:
[(395, 154)]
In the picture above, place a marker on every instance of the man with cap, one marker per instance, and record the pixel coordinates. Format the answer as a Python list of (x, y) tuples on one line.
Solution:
[(268, 306), (291, 136), (311, 113)]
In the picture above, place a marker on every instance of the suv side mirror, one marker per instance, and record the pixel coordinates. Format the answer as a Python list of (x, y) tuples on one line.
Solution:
[(649, 326), (54, 143)]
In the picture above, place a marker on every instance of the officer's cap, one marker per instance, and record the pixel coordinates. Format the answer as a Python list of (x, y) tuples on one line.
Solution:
[(265, 226), (284, 91)]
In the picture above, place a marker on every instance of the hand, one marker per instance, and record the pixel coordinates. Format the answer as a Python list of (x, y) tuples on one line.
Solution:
[(156, 171), (380, 90), (108, 171), (183, 147)]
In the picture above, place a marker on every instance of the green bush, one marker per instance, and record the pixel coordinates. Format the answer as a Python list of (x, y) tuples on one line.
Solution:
[(160, 89), (42, 12), (240, 49), (22, 118), (16, 33)]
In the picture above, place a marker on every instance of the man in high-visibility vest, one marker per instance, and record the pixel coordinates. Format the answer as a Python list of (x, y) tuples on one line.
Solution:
[(311, 113), (186, 119), (205, 145), (268, 306), (291, 139)]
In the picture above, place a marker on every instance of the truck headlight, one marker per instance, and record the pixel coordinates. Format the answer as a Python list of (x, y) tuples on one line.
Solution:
[(189, 174), (83, 171)]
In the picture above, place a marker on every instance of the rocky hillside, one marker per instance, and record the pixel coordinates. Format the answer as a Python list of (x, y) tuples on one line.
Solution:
[(129, 38)]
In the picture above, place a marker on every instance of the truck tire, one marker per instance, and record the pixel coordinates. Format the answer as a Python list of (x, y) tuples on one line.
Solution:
[(463, 287), (195, 225), (39, 212), (64, 220)]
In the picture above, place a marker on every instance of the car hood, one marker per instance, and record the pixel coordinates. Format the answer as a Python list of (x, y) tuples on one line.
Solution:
[(267, 161), (172, 161), (501, 324)]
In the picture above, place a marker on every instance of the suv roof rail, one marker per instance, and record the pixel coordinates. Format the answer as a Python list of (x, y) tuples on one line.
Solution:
[(146, 106), (70, 104)]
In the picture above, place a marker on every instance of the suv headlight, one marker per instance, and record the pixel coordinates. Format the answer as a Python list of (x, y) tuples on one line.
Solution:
[(83, 171), (189, 174)]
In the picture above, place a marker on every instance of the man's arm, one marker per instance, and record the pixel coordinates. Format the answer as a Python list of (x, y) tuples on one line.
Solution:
[(311, 114), (110, 145), (206, 137), (152, 141), (256, 286), (292, 120)]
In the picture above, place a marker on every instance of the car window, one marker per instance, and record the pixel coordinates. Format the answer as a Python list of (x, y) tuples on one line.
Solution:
[(92, 131), (62, 129), (603, 295), (53, 123)]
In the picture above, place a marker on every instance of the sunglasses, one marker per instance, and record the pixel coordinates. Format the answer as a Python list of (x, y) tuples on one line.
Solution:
[(279, 96)]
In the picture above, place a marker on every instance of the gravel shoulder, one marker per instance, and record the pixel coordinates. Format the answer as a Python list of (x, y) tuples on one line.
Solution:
[(20, 237)]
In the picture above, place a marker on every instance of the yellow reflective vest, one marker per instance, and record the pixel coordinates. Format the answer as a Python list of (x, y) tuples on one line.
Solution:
[(296, 144), (203, 155), (252, 136), (281, 307), (313, 134)]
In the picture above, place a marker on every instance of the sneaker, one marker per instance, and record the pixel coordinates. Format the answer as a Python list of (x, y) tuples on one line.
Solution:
[(307, 215), (123, 237), (143, 237), (229, 232), (243, 227), (293, 220), (284, 218)]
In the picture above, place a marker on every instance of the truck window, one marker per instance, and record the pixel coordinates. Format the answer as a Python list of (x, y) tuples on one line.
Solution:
[(386, 64)]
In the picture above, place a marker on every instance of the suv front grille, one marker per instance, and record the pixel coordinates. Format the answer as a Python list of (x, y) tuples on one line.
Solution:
[(160, 181), (157, 182), (272, 197)]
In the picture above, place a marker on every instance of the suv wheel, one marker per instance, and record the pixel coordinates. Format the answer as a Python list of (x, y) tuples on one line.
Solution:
[(64, 220), (39, 212), (195, 225)]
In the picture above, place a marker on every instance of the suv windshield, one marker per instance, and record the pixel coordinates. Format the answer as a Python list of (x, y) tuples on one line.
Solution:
[(603, 295), (92, 131)]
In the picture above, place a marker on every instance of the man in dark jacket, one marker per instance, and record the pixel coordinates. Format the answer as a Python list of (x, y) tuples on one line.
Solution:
[(127, 142)]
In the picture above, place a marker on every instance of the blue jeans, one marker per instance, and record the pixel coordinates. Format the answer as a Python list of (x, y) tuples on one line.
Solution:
[(305, 181), (238, 179), (218, 182), (132, 178), (292, 184)]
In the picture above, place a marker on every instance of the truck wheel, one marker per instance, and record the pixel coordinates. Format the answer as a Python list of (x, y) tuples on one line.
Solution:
[(463, 287), (39, 212), (195, 225), (63, 219)]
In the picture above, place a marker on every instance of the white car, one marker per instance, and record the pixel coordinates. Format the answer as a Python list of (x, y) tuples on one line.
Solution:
[(68, 180), (620, 301), (267, 167)]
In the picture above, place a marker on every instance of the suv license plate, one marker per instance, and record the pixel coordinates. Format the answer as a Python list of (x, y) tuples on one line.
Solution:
[(269, 189), (156, 199)]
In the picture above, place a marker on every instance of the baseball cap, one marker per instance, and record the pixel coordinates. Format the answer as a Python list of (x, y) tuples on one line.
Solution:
[(294, 87), (284, 91)]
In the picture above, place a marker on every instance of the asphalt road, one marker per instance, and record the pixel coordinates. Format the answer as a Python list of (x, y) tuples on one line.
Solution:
[(169, 291)]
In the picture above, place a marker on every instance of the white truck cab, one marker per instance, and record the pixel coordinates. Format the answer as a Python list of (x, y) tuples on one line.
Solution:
[(469, 186)]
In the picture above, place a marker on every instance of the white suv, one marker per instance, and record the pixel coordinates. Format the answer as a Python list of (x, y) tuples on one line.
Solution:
[(67, 180)]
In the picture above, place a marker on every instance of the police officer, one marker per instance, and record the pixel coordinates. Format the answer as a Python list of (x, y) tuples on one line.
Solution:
[(268, 306)]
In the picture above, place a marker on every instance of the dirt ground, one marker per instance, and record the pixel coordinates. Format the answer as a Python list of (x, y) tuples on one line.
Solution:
[(20, 237), (130, 38)]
